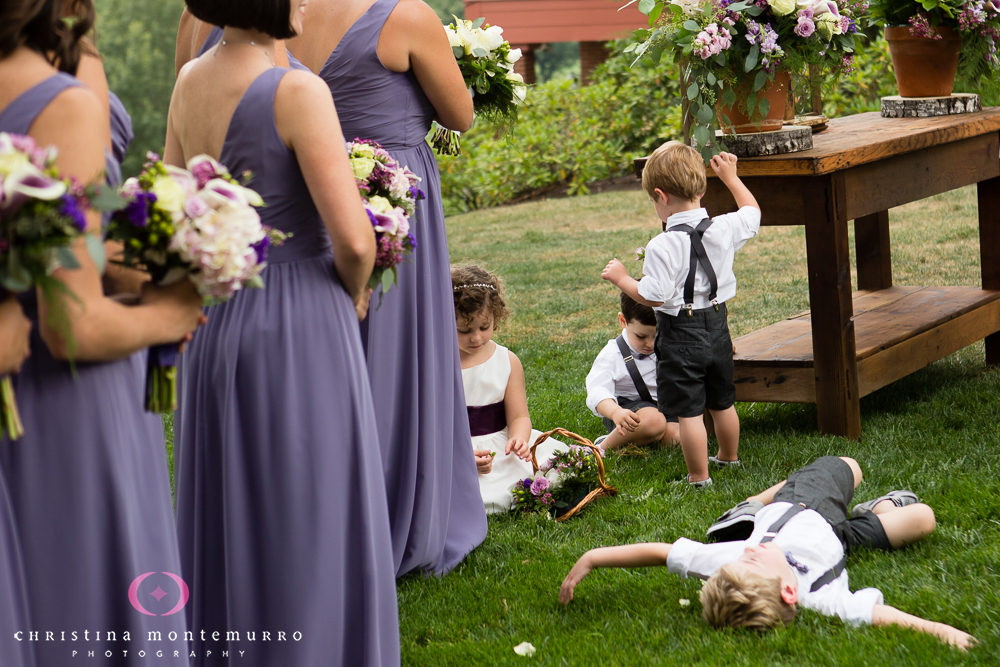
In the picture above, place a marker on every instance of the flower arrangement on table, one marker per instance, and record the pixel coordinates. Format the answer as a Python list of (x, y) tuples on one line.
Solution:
[(41, 215), (977, 21), (731, 51), (487, 64), (574, 473), (390, 195), (199, 224)]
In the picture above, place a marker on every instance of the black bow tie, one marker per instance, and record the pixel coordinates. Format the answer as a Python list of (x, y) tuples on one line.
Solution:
[(804, 569), (640, 357)]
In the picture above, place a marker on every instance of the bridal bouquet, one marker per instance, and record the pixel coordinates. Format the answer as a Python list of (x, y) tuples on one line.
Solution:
[(390, 194), (576, 473), (487, 64), (197, 223), (41, 215)]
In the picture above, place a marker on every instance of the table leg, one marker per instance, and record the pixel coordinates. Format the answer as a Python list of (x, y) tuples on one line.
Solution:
[(832, 310), (871, 243), (989, 251)]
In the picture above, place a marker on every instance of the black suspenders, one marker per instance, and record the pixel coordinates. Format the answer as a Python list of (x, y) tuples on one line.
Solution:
[(633, 370), (698, 256), (827, 576)]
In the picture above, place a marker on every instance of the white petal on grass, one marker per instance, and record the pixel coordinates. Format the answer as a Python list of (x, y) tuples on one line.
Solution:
[(684, 602), (525, 649)]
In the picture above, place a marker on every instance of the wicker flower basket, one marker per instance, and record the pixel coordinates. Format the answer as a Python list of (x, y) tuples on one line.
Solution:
[(603, 489)]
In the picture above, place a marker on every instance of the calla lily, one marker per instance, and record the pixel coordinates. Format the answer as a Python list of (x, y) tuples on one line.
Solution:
[(29, 183), (218, 193)]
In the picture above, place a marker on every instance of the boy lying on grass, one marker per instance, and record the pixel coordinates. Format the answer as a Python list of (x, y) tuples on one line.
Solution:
[(785, 547)]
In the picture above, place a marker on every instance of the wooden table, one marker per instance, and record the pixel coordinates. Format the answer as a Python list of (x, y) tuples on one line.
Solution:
[(849, 345)]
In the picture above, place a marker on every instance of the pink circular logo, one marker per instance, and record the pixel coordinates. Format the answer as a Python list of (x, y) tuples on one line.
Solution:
[(158, 594)]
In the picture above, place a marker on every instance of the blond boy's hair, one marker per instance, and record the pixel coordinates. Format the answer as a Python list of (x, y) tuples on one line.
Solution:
[(735, 599), (677, 170)]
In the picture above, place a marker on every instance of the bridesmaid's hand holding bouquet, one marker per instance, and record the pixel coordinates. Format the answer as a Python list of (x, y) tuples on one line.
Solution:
[(487, 64), (198, 224), (41, 216), (390, 195)]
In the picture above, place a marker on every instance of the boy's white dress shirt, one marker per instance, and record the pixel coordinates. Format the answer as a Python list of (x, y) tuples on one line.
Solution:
[(609, 378), (809, 539), (668, 257)]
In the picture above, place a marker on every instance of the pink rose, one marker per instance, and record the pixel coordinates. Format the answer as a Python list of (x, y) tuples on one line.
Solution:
[(805, 27)]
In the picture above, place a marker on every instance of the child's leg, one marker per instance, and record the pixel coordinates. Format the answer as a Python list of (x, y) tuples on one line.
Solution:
[(905, 525), (652, 425), (766, 497), (671, 434), (727, 430), (694, 444)]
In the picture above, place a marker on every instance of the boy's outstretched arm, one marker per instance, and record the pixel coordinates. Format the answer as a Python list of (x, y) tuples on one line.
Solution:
[(886, 615), (724, 166), (616, 274), (647, 554)]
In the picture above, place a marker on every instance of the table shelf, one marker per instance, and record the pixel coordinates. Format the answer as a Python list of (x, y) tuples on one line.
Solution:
[(897, 331)]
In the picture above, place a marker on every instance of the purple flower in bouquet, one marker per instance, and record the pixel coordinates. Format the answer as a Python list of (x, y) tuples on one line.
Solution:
[(71, 209), (993, 6), (539, 486), (526, 483), (805, 26)]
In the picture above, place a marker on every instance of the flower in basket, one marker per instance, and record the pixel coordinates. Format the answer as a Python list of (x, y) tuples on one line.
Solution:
[(390, 194), (41, 215), (574, 473), (731, 51), (976, 21), (487, 65), (198, 224)]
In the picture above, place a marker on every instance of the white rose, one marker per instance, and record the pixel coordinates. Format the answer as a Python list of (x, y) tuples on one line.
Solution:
[(520, 90), (380, 205), (453, 38), (363, 150), (400, 185), (170, 196), (689, 7), (493, 37), (782, 7), (513, 56), (362, 166)]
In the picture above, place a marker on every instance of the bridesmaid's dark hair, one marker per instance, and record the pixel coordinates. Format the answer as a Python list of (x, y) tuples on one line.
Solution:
[(271, 17), (54, 28)]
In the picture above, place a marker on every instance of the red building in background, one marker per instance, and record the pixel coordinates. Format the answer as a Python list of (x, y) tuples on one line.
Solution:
[(527, 24)]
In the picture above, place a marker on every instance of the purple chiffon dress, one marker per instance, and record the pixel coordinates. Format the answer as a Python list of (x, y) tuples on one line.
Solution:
[(90, 493), (435, 509), (281, 504)]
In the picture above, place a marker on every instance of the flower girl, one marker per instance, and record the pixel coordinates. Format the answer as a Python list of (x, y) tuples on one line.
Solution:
[(494, 390)]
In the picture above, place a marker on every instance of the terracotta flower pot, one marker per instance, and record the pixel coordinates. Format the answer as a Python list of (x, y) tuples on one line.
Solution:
[(775, 92), (924, 67)]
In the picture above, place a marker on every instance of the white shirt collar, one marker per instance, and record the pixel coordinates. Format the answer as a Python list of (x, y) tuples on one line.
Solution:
[(634, 351), (691, 217)]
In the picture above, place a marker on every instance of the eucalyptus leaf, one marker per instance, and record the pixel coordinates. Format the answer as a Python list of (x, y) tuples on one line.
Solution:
[(95, 247), (692, 91), (255, 282), (719, 59), (480, 53), (388, 280), (702, 134), (763, 107), (478, 22), (737, 6), (753, 10), (724, 120), (458, 51), (15, 277), (107, 200), (67, 259), (759, 80), (711, 79), (691, 26), (751, 61), (728, 96), (646, 6), (751, 104), (707, 153), (705, 114)]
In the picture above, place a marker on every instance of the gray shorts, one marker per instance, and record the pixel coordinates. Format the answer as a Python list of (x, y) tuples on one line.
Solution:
[(827, 486)]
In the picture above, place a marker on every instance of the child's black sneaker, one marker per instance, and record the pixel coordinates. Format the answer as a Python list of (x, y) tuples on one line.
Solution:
[(736, 524), (898, 498)]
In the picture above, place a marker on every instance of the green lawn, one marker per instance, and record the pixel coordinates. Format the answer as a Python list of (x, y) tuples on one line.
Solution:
[(934, 432)]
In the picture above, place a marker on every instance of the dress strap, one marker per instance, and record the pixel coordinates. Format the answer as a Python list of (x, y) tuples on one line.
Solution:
[(20, 114)]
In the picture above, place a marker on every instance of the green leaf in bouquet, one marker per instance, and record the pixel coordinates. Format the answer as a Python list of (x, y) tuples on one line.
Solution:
[(375, 280), (106, 200), (458, 51), (646, 6), (255, 283), (478, 22), (479, 53), (14, 275), (692, 91), (711, 79), (95, 248), (737, 6), (751, 61), (724, 120), (654, 15), (692, 26), (763, 107), (388, 279), (708, 152), (759, 80), (847, 42), (754, 10), (751, 103), (719, 59), (728, 96), (67, 259), (702, 134), (705, 114)]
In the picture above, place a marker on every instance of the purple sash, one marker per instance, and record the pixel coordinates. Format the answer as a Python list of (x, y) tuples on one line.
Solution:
[(486, 419)]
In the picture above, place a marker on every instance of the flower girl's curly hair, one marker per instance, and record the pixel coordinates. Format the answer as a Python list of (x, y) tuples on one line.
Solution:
[(477, 290)]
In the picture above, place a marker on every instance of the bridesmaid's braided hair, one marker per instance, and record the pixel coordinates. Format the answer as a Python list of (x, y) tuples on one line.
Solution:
[(54, 28), (271, 17), (477, 290)]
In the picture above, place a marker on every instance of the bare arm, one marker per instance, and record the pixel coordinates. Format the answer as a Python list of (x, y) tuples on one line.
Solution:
[(724, 166), (14, 335), (414, 33), (515, 404), (646, 554), (102, 329), (307, 122), (885, 615), (616, 274), (91, 74)]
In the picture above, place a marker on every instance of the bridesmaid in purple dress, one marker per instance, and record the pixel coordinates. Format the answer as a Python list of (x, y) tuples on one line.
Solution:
[(391, 71), (281, 506), (87, 483)]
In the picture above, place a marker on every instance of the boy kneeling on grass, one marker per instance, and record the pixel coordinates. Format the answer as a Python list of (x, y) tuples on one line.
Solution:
[(788, 546)]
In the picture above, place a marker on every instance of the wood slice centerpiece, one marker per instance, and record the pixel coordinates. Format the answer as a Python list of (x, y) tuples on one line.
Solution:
[(896, 106), (787, 139)]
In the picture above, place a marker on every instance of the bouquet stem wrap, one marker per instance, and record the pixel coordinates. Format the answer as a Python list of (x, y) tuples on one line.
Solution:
[(161, 378), (10, 418)]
